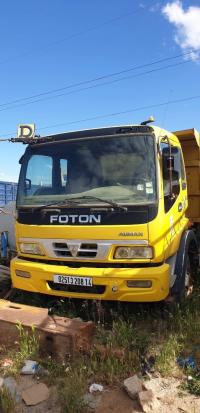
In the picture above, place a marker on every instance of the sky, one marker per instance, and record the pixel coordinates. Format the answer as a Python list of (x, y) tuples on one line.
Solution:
[(52, 52)]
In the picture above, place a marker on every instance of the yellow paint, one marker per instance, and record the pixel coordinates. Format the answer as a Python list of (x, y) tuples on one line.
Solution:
[(163, 234)]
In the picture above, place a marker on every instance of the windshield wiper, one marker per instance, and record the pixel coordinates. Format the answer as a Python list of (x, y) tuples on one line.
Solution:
[(67, 202), (113, 204)]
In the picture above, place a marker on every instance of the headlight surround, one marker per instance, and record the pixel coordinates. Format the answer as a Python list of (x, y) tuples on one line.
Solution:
[(32, 248), (131, 253)]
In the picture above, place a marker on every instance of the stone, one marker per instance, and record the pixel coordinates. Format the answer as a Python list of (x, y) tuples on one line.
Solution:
[(11, 385), (133, 385), (92, 401), (154, 384), (163, 388), (1, 382), (35, 394), (148, 402)]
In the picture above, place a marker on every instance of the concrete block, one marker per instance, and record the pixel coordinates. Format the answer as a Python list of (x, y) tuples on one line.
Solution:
[(58, 336)]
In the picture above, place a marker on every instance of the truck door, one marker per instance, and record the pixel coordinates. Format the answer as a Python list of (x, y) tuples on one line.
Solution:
[(174, 196)]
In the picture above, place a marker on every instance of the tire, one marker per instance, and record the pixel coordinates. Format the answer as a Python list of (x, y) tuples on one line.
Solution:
[(188, 284)]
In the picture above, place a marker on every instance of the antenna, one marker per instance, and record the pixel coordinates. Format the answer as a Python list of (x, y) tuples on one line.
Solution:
[(149, 120)]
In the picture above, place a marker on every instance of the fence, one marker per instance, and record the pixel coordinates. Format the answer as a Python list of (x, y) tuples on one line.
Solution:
[(8, 192)]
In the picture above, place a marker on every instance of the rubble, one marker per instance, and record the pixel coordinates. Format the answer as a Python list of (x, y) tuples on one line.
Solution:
[(147, 392), (35, 394), (92, 401), (148, 402), (164, 388), (133, 385), (11, 385)]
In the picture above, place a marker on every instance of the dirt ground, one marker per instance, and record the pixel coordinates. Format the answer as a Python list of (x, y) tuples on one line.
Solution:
[(115, 400), (48, 406)]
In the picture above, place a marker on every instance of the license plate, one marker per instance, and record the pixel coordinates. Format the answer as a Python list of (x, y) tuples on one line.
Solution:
[(70, 280)]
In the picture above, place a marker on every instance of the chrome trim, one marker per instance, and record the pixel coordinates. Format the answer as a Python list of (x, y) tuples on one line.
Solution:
[(102, 251)]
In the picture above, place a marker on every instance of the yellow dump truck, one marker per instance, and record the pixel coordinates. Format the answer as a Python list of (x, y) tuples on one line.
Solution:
[(103, 214)]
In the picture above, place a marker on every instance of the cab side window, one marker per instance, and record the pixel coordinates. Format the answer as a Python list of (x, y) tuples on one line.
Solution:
[(177, 173)]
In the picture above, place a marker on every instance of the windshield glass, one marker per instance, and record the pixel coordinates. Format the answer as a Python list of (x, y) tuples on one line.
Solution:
[(116, 168)]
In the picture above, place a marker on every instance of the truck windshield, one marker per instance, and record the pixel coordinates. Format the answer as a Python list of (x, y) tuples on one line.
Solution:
[(117, 168)]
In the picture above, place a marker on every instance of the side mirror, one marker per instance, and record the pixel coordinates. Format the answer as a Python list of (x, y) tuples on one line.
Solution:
[(27, 184), (169, 157), (166, 151)]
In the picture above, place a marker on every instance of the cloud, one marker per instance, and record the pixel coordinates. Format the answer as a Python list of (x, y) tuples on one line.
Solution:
[(187, 24), (155, 7), (7, 178)]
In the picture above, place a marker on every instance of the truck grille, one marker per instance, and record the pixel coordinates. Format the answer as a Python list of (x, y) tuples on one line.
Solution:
[(84, 250), (79, 250)]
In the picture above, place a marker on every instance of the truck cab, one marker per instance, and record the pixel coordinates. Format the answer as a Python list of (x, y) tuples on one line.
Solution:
[(101, 214)]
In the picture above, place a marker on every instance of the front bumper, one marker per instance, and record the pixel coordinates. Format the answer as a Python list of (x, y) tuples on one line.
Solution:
[(104, 279)]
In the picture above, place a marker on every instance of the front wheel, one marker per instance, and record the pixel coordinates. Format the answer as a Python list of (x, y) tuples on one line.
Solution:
[(189, 279), (186, 282)]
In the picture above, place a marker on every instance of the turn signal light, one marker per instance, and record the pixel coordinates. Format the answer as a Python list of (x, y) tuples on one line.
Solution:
[(139, 283), (24, 274)]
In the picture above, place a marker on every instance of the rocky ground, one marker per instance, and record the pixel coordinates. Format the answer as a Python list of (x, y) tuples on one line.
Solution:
[(146, 362), (153, 395)]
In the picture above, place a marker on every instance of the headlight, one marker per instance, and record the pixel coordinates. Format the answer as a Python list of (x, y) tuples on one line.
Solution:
[(127, 253), (30, 248)]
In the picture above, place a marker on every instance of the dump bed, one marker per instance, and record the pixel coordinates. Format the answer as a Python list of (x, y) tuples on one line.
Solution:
[(190, 143)]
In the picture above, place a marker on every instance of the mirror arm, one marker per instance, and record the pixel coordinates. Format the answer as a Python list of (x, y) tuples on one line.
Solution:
[(172, 196)]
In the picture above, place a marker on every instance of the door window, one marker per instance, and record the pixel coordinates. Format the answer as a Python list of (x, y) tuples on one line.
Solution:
[(177, 173)]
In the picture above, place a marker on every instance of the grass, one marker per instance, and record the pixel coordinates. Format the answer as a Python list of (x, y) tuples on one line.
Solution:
[(7, 403), (193, 386), (166, 359), (127, 335), (122, 344), (71, 391), (28, 348), (28, 342)]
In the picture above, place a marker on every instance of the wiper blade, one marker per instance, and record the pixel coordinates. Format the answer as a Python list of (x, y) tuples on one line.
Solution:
[(67, 202), (113, 204)]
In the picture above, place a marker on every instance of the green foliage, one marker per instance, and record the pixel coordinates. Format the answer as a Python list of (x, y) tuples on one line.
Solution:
[(28, 343), (28, 348), (110, 367), (193, 386), (7, 403), (71, 391), (168, 352), (122, 334)]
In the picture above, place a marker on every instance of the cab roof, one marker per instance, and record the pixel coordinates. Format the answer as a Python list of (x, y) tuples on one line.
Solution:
[(104, 131), (113, 131)]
